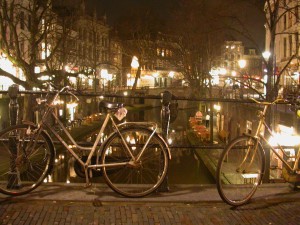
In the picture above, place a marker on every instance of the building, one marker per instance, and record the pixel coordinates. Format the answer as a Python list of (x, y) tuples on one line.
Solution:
[(158, 58), (98, 55), (71, 46), (237, 71), (65, 45), (286, 44)]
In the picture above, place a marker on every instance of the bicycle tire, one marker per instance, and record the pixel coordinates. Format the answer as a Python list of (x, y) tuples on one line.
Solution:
[(25, 159), (147, 175), (238, 179)]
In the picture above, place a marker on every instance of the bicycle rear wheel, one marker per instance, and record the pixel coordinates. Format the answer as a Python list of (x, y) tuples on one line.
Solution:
[(135, 179), (25, 159), (240, 170)]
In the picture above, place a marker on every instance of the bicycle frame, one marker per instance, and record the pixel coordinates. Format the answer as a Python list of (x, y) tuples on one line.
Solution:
[(42, 125), (258, 135)]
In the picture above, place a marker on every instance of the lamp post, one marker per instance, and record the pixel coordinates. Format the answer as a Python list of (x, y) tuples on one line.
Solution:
[(266, 55), (268, 87), (134, 67), (242, 64)]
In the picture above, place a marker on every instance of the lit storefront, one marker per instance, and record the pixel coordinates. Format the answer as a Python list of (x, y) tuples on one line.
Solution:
[(285, 136)]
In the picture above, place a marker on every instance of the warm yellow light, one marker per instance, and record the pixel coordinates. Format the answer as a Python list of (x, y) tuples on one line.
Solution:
[(223, 71), (171, 74), (37, 69), (135, 62), (217, 107), (104, 73), (242, 63), (284, 140), (155, 75), (266, 55), (72, 80), (72, 105)]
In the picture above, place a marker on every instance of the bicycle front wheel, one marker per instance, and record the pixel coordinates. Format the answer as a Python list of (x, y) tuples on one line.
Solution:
[(134, 178), (25, 159), (240, 170)]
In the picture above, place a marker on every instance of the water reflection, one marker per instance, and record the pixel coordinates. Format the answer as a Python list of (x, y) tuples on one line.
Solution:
[(185, 167)]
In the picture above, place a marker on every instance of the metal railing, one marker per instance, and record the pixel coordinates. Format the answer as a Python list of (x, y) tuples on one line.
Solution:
[(166, 99)]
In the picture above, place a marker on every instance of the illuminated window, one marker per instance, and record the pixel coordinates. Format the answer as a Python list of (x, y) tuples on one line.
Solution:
[(45, 50)]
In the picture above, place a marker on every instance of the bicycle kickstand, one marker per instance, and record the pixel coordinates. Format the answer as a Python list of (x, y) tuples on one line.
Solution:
[(88, 174)]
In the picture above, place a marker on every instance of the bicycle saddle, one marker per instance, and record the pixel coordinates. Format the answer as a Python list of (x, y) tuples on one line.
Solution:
[(105, 105)]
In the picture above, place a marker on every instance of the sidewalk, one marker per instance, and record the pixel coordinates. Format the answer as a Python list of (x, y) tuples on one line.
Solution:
[(177, 194), (183, 204)]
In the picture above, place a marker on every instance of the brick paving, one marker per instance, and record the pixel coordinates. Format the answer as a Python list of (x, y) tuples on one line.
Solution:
[(62, 204), (20, 211)]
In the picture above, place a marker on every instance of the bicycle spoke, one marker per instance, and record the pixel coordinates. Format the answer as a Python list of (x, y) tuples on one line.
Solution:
[(137, 178), (239, 171), (27, 159)]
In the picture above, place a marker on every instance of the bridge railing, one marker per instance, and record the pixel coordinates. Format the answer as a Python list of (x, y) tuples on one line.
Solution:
[(176, 115)]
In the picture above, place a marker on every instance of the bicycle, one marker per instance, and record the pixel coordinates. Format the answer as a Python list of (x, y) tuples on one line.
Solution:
[(133, 159), (241, 165)]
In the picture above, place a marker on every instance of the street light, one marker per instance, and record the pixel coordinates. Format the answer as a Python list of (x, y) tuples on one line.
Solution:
[(135, 62), (242, 63), (134, 66), (266, 55)]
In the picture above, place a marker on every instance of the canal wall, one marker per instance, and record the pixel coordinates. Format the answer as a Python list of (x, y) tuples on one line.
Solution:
[(209, 156)]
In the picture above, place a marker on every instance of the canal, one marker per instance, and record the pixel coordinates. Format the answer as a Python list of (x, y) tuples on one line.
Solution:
[(185, 167)]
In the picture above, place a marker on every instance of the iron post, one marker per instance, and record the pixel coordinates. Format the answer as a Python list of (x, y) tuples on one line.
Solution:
[(14, 175), (166, 98)]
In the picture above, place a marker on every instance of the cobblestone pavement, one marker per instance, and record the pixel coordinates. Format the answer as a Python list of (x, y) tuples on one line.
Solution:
[(20, 211), (64, 204)]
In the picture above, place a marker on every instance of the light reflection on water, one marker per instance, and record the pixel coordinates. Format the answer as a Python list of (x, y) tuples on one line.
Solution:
[(184, 168)]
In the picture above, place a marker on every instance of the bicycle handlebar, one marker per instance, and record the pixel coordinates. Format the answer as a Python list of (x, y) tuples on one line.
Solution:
[(268, 103), (67, 89)]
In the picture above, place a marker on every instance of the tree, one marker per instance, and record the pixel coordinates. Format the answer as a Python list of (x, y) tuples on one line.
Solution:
[(138, 29), (276, 13), (33, 35), (202, 35)]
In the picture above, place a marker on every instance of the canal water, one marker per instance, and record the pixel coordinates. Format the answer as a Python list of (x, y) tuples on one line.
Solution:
[(185, 167)]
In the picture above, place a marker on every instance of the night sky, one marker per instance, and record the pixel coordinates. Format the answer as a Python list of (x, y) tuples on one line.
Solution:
[(116, 8)]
